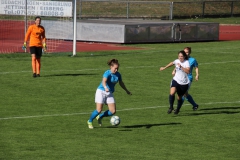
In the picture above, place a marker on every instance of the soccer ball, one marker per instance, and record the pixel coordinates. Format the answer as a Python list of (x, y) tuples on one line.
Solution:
[(115, 120)]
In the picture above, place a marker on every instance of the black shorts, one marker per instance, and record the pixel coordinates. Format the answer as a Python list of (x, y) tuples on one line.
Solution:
[(37, 51), (181, 89)]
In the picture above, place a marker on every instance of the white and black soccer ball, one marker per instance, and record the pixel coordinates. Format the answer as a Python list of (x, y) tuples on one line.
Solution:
[(115, 120)]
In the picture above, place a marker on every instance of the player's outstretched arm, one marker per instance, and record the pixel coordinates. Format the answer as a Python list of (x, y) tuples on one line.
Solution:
[(124, 87), (169, 65)]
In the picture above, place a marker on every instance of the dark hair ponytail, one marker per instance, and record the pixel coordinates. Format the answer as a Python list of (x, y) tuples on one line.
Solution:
[(111, 62), (184, 54)]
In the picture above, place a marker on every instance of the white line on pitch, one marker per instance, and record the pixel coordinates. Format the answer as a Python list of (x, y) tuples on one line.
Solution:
[(219, 62), (88, 113), (103, 68), (52, 71)]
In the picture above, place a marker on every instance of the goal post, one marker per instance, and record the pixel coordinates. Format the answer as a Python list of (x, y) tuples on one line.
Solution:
[(57, 19), (75, 28)]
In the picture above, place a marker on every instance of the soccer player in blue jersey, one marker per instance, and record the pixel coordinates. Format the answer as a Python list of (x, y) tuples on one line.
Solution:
[(104, 93), (180, 80), (193, 64)]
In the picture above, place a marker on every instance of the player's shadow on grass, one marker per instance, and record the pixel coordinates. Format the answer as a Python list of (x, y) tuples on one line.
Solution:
[(68, 74), (216, 110), (219, 108), (149, 125)]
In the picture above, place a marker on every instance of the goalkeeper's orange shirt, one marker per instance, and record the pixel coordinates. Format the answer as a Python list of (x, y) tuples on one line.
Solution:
[(36, 34)]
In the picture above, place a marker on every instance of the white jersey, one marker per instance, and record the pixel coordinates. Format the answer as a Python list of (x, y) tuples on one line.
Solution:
[(180, 76)]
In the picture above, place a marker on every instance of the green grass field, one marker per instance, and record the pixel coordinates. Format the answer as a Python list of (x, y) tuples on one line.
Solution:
[(45, 118)]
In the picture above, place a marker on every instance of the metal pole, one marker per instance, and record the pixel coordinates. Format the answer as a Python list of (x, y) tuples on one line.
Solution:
[(127, 10), (232, 9), (203, 9), (171, 11), (25, 28), (74, 27)]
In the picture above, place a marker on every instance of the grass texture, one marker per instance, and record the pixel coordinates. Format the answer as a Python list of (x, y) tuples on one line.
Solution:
[(45, 118)]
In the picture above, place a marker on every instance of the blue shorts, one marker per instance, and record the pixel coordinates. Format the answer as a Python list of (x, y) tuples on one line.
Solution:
[(37, 51), (181, 89)]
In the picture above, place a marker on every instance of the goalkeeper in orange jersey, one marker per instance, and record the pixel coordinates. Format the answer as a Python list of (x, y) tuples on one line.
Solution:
[(37, 43)]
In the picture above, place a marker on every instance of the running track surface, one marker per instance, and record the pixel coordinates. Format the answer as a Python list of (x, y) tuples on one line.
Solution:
[(12, 37)]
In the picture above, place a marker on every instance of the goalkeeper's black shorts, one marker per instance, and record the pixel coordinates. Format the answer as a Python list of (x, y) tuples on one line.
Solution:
[(37, 51)]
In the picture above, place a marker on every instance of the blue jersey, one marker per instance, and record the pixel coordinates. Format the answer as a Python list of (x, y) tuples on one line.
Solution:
[(112, 80), (193, 63)]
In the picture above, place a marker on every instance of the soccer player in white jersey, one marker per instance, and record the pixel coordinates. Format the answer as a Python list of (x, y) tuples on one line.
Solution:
[(180, 80), (104, 93), (193, 64)]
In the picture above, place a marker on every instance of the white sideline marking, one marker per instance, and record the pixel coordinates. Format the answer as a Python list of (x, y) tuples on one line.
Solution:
[(85, 113), (220, 62), (50, 71), (103, 68)]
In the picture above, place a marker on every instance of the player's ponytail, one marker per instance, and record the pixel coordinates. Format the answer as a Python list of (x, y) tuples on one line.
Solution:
[(111, 62)]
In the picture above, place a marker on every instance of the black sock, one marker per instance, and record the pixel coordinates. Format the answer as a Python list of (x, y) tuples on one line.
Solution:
[(171, 100), (179, 105)]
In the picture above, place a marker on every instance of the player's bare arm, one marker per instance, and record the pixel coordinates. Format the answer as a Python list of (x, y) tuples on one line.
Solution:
[(104, 83), (124, 87), (186, 70), (169, 65), (173, 72), (197, 74)]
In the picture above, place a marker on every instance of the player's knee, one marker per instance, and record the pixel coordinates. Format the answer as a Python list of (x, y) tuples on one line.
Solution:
[(113, 112)]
